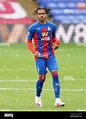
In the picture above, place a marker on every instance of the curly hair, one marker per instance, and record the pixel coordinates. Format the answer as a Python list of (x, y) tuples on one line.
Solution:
[(47, 10)]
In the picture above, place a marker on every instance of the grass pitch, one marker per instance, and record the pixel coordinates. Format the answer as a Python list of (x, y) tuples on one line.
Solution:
[(18, 77)]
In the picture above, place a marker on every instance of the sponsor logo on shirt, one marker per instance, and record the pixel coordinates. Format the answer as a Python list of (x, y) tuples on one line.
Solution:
[(45, 36)]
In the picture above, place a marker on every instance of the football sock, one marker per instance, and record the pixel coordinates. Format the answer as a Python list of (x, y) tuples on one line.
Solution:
[(56, 84), (39, 85)]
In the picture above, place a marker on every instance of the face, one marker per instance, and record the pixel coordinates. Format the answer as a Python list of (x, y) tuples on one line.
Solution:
[(41, 15)]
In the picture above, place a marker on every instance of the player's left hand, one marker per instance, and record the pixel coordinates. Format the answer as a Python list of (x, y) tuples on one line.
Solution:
[(55, 46)]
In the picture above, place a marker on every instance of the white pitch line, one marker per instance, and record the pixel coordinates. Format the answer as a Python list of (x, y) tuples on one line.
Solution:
[(38, 110), (31, 89), (17, 89), (4, 110), (23, 80), (18, 69), (34, 80), (82, 110), (33, 69)]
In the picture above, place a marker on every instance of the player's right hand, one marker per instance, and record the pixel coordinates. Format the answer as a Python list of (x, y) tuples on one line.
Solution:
[(37, 54)]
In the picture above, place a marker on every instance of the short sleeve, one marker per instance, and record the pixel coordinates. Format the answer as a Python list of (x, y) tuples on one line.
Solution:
[(30, 33)]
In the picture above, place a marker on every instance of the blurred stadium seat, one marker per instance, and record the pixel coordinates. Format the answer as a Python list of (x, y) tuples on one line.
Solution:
[(66, 11), (14, 21)]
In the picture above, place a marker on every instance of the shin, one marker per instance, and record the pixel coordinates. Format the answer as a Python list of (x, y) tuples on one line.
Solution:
[(39, 84), (56, 84)]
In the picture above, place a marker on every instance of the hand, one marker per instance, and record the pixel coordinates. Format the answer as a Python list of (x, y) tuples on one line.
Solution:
[(37, 54), (55, 46)]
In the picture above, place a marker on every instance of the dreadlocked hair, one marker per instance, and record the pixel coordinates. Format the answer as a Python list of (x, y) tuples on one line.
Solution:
[(44, 8)]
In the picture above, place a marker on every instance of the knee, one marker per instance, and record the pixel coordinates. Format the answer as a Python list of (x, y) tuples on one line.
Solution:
[(42, 78), (54, 74)]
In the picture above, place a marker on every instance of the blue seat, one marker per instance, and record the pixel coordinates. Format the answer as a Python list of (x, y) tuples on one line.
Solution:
[(65, 11)]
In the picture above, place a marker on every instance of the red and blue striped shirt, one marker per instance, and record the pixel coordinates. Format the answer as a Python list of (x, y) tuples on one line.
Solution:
[(42, 35)]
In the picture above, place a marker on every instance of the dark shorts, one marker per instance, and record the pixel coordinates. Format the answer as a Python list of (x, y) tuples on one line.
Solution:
[(43, 64)]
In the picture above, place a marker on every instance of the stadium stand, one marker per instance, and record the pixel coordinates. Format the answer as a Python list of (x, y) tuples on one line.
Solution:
[(14, 21), (66, 11), (29, 6)]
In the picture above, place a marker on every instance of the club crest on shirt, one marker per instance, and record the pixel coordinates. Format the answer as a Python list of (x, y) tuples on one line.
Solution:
[(49, 28)]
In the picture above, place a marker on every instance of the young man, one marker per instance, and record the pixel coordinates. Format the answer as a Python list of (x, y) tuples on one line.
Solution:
[(43, 34)]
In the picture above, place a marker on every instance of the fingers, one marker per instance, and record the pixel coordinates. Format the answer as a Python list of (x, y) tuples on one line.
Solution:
[(37, 54)]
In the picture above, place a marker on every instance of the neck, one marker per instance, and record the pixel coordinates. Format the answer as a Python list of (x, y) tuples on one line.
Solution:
[(42, 22)]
